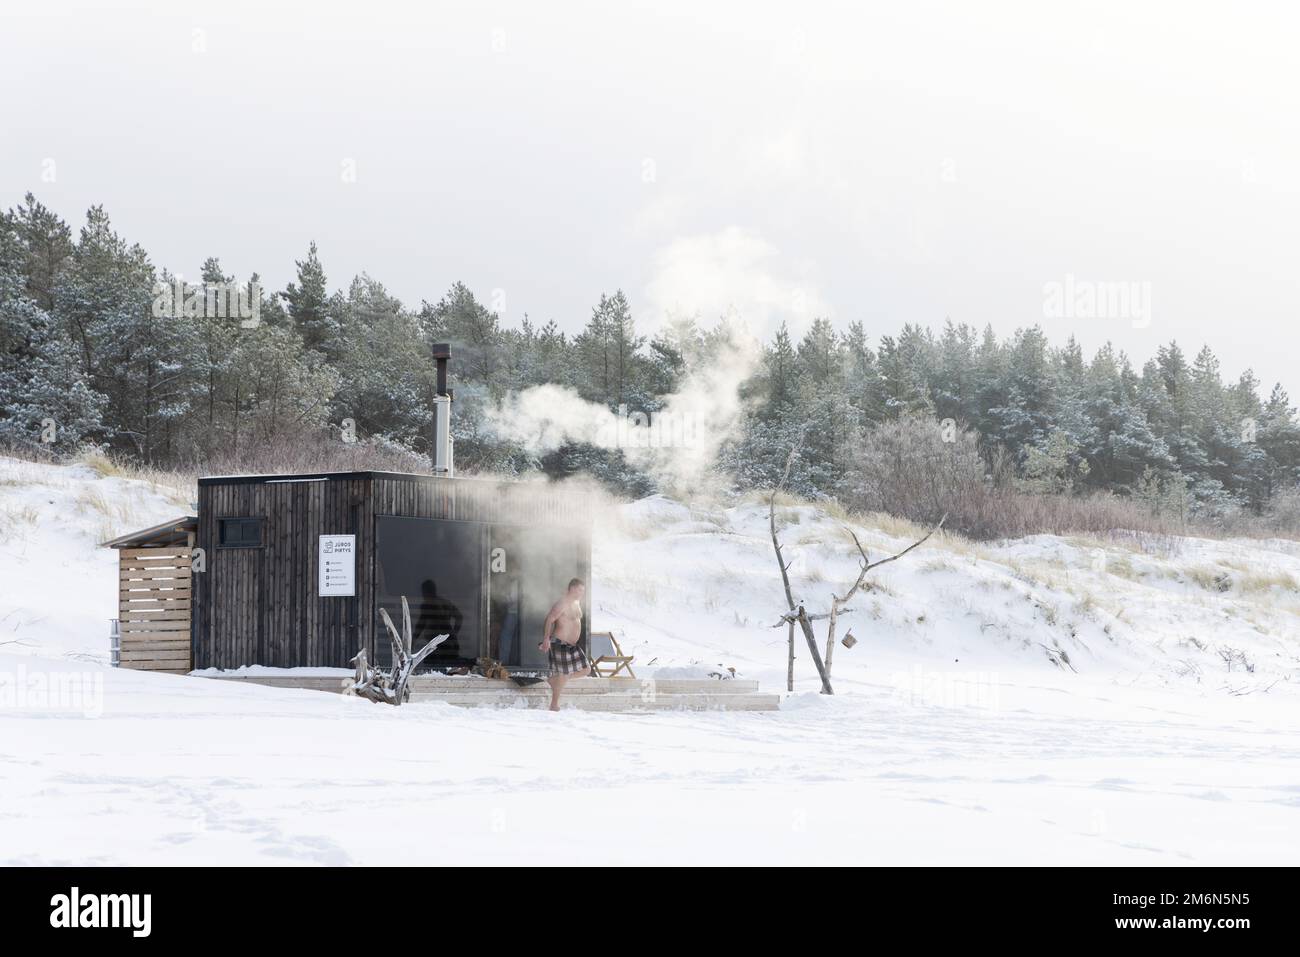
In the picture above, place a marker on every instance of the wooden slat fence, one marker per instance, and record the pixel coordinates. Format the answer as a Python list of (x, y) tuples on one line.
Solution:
[(154, 608)]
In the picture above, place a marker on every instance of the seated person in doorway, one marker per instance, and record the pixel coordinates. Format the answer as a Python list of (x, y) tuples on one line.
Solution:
[(438, 616), (505, 615), (560, 640)]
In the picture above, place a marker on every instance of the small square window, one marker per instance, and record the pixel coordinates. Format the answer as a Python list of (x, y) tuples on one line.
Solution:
[(240, 532)]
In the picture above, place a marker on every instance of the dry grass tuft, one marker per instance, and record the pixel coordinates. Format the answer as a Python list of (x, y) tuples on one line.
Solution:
[(1255, 582)]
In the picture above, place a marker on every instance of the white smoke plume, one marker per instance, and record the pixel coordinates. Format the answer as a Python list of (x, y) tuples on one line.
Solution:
[(677, 446)]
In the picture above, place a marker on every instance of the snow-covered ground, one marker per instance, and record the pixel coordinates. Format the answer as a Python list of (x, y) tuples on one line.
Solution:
[(1042, 701)]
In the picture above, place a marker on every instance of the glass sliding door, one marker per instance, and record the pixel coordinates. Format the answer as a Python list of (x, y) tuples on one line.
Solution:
[(529, 569), (439, 566)]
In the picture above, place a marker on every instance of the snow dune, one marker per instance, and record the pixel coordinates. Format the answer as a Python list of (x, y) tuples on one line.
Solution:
[(1039, 701), (1203, 616)]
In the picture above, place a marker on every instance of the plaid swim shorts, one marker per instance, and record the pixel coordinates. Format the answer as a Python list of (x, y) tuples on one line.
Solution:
[(567, 659)]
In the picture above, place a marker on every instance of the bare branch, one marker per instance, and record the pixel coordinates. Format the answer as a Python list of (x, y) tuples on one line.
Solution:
[(861, 551), (919, 541), (839, 603), (786, 619), (771, 518)]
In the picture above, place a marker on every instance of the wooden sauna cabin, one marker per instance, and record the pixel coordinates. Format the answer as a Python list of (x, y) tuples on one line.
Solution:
[(292, 571), (154, 596), (297, 567)]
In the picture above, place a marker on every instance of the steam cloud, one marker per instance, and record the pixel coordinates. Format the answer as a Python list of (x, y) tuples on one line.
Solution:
[(677, 446)]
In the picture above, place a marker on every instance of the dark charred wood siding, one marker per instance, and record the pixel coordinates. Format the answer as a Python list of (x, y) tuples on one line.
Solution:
[(259, 606)]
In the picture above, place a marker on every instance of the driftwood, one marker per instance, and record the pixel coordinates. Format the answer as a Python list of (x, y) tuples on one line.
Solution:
[(797, 614), (389, 687)]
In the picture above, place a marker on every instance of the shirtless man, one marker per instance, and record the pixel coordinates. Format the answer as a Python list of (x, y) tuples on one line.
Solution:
[(560, 636)]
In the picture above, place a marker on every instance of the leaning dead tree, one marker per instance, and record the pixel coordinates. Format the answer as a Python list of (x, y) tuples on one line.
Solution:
[(389, 687), (798, 615)]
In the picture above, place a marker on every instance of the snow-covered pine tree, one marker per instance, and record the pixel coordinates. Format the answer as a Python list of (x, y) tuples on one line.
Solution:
[(473, 331), (46, 401), (308, 305), (104, 298)]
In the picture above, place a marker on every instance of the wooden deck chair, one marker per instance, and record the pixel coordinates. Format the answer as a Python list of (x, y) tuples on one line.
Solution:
[(607, 658)]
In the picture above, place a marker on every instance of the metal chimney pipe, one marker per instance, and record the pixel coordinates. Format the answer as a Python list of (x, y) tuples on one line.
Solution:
[(443, 450), (442, 353)]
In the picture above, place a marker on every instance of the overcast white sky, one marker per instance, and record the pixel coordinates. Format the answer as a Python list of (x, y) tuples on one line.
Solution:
[(886, 162)]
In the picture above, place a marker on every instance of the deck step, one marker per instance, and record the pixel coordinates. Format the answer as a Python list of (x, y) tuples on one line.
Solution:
[(587, 694), (475, 683), (287, 681), (609, 702), (588, 685)]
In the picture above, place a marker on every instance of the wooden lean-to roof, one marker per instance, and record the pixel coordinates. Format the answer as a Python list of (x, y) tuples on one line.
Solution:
[(175, 532)]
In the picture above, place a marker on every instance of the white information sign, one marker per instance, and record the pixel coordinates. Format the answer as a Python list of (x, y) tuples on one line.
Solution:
[(337, 562)]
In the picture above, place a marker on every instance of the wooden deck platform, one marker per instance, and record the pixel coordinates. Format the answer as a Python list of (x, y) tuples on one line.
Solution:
[(585, 694)]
